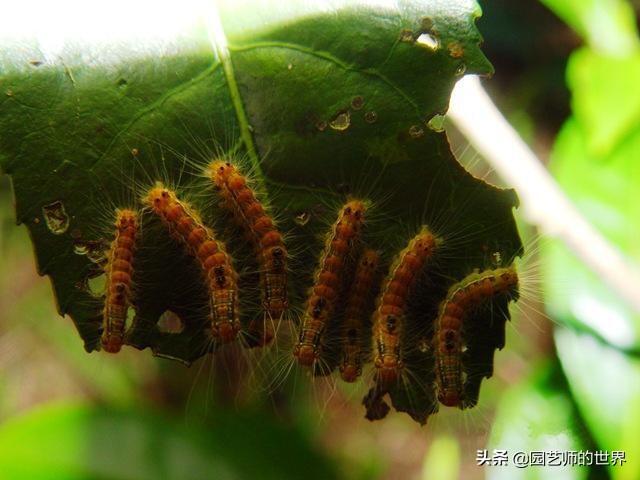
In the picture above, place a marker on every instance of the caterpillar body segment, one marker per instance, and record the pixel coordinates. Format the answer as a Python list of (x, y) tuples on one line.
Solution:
[(119, 274), (462, 298), (323, 296), (356, 311), (390, 316), (221, 279), (266, 240)]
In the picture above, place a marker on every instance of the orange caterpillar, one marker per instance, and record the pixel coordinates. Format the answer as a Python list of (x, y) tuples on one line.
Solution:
[(389, 318), (463, 297), (185, 225), (267, 242), (324, 293), (355, 313), (119, 272)]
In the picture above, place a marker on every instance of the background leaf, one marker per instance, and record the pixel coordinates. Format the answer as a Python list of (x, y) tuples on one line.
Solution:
[(81, 442), (595, 161), (608, 25), (536, 416)]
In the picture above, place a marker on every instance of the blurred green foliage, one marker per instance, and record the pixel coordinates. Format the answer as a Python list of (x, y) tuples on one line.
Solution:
[(608, 26), (595, 160), (84, 442)]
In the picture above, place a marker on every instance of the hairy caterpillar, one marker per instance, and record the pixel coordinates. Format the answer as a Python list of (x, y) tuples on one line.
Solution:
[(355, 315), (119, 273), (266, 240), (321, 302), (389, 318), (462, 298), (221, 279)]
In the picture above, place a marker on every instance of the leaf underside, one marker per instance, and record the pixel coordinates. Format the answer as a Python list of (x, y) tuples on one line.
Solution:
[(319, 108)]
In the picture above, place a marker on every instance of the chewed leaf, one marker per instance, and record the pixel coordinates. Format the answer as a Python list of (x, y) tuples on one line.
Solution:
[(315, 106)]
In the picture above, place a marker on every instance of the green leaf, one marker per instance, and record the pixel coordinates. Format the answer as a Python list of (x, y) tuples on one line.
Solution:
[(604, 384), (595, 161), (320, 104), (82, 442), (537, 416), (608, 194), (605, 98), (609, 26)]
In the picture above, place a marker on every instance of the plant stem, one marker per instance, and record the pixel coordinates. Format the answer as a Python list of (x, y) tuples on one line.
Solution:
[(543, 201)]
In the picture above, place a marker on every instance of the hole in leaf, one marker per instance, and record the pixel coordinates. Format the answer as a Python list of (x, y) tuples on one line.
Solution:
[(170, 322), (428, 41), (97, 285)]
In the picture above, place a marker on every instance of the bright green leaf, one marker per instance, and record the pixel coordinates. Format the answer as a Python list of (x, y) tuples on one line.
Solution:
[(595, 159), (605, 98), (536, 416), (605, 387), (609, 26), (607, 192)]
